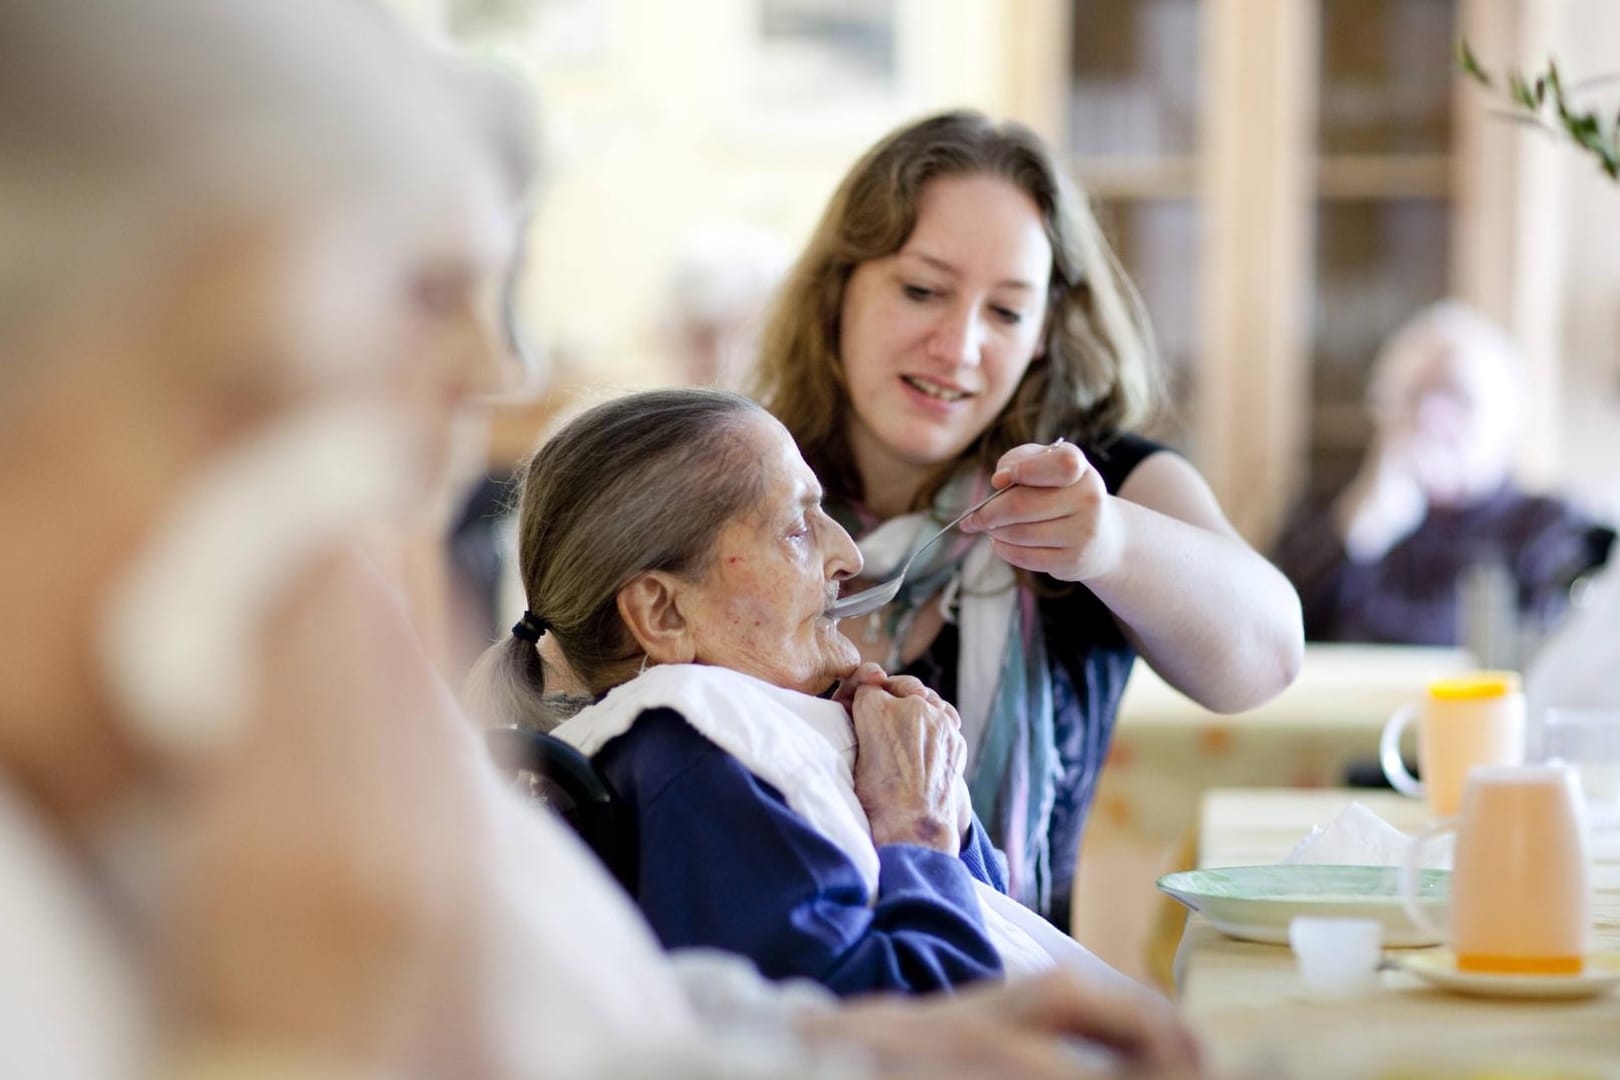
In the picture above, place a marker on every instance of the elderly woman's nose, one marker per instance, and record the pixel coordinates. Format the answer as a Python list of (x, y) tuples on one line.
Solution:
[(844, 556)]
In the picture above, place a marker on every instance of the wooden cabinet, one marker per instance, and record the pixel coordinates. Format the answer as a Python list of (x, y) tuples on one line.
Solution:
[(1381, 204), (1133, 134), (1287, 181)]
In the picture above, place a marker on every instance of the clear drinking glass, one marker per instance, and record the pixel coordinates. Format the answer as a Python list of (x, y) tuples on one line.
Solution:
[(1587, 740)]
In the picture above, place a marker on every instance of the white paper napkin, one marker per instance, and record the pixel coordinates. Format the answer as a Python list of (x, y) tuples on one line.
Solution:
[(1359, 837)]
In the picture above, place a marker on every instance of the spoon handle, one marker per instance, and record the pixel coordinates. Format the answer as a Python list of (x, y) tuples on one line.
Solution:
[(870, 599), (975, 508), (963, 516)]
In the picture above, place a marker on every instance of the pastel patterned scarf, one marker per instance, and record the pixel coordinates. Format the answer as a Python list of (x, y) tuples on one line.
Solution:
[(1004, 691)]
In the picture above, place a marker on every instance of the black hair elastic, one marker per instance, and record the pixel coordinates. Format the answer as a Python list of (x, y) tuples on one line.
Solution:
[(530, 627)]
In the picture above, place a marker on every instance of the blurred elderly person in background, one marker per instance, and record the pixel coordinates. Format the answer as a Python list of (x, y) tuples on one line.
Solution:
[(248, 278), (719, 288), (1433, 498)]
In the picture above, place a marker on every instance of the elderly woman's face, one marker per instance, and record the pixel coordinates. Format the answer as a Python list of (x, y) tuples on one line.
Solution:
[(758, 607)]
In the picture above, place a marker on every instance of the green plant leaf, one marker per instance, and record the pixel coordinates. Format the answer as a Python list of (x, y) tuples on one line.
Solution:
[(1520, 91), (1468, 63), (1582, 127)]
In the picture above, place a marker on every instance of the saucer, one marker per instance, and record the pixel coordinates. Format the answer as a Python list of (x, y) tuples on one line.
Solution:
[(1439, 968)]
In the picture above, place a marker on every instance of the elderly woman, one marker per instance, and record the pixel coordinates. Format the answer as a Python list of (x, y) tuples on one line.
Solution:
[(674, 551)]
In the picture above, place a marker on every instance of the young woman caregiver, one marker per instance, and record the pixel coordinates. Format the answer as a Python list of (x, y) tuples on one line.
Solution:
[(958, 325)]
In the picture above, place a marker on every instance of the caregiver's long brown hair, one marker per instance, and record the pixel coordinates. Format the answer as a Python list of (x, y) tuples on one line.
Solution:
[(1097, 373)]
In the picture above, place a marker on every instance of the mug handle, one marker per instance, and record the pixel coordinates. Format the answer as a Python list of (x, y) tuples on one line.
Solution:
[(1408, 879), (1389, 753)]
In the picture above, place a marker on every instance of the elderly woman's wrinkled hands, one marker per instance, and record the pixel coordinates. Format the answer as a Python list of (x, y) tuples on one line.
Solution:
[(908, 760), (1061, 522)]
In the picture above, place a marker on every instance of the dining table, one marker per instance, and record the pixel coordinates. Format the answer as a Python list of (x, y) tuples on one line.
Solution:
[(1167, 750), (1258, 1019)]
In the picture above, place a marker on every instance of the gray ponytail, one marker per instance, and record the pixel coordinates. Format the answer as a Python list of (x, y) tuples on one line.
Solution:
[(507, 685)]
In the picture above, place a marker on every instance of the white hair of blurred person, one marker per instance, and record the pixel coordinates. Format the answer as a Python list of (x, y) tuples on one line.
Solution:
[(237, 245), (720, 286), (145, 144), (1446, 390), (129, 143)]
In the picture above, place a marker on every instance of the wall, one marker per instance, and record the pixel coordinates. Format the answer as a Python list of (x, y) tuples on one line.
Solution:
[(656, 128), (1589, 416)]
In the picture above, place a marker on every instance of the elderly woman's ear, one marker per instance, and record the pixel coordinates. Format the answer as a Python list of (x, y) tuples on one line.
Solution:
[(650, 607)]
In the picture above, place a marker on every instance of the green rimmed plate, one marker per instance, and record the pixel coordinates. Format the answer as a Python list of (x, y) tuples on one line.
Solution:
[(1256, 902)]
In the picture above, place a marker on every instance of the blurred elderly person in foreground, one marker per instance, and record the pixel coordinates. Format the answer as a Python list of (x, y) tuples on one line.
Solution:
[(1433, 498), (245, 291), (242, 245), (676, 557)]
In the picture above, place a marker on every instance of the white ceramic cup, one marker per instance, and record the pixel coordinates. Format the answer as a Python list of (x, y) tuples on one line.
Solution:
[(1336, 957)]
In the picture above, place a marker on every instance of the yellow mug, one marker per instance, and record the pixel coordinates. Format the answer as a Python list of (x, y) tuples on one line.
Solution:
[(1464, 721), (1521, 891)]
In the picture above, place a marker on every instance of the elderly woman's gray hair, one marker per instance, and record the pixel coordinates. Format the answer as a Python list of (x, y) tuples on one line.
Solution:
[(642, 482)]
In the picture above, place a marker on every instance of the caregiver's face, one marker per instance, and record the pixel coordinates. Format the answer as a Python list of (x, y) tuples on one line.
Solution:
[(936, 337), (758, 607)]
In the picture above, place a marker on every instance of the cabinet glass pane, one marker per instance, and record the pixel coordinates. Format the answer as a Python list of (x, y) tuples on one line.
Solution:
[(1134, 78), (1377, 263), (1387, 76), (1157, 243)]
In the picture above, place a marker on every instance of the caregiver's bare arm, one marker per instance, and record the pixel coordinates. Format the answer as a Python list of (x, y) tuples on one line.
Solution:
[(1218, 621)]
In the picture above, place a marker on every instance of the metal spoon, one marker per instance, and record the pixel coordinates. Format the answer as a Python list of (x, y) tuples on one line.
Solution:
[(869, 600)]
